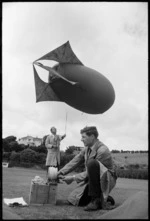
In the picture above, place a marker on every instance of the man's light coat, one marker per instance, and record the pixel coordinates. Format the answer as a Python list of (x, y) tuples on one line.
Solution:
[(108, 177)]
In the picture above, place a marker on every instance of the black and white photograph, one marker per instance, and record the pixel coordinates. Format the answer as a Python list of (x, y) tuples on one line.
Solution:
[(75, 110)]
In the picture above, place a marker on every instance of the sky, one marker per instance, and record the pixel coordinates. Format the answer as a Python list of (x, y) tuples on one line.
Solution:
[(110, 37)]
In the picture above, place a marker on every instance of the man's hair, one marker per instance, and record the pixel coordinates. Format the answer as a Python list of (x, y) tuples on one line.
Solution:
[(89, 131), (52, 128)]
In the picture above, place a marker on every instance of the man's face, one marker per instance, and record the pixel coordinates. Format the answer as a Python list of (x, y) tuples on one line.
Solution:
[(53, 130), (87, 140)]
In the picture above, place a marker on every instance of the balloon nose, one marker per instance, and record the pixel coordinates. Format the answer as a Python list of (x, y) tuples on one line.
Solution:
[(52, 173)]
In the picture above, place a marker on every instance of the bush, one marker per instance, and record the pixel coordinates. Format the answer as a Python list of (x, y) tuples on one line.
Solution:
[(40, 158), (27, 165), (133, 173), (39, 149), (42, 149), (13, 164), (133, 166), (28, 156), (15, 157), (42, 166), (6, 156), (65, 158), (34, 148)]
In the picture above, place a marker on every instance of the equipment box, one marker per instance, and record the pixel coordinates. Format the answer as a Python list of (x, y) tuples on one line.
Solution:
[(43, 194)]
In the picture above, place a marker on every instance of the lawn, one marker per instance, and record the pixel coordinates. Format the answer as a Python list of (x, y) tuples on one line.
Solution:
[(16, 183)]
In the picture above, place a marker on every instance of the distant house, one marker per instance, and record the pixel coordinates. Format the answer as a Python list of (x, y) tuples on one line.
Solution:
[(31, 141)]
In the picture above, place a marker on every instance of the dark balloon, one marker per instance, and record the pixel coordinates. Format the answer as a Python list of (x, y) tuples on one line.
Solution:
[(92, 94)]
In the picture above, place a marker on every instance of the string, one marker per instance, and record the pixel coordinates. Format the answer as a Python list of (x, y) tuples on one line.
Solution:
[(66, 123)]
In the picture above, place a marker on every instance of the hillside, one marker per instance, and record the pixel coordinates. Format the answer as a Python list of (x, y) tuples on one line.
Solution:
[(124, 159)]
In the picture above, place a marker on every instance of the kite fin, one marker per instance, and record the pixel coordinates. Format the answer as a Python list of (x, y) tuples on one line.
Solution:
[(62, 54), (44, 92)]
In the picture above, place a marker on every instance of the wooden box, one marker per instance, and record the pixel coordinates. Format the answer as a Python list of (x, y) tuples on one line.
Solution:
[(43, 194)]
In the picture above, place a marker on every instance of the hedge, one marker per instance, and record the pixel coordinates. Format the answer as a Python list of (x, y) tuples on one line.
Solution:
[(133, 173)]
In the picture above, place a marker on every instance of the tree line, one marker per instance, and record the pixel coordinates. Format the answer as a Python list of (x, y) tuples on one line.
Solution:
[(129, 151), (29, 156), (21, 155)]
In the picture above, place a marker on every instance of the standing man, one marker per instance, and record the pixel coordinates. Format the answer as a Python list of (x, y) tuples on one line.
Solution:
[(99, 177), (52, 144)]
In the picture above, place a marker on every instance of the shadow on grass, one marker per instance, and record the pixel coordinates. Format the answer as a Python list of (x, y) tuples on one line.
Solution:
[(61, 202)]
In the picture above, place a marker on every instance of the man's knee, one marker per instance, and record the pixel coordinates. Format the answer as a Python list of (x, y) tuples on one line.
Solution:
[(92, 163)]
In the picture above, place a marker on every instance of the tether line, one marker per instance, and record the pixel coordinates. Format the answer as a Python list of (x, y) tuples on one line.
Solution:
[(66, 123)]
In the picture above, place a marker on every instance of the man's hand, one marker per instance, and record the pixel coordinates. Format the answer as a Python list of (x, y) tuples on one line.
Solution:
[(54, 146), (59, 175), (63, 136), (68, 179)]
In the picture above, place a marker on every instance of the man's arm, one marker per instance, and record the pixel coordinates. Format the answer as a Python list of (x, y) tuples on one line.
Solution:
[(76, 161), (62, 137), (80, 177)]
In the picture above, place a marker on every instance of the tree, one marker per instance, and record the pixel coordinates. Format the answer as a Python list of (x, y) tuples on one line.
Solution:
[(9, 139), (22, 147), (70, 149), (115, 151), (14, 146), (6, 147)]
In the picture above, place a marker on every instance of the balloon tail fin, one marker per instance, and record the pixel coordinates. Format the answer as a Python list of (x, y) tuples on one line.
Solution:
[(62, 54), (44, 92)]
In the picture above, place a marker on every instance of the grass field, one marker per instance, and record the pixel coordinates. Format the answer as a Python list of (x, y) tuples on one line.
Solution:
[(16, 183)]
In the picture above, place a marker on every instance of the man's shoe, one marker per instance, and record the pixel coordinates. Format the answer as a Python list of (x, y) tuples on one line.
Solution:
[(93, 205)]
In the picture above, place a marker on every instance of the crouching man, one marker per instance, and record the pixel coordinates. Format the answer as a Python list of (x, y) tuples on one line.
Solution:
[(99, 177)]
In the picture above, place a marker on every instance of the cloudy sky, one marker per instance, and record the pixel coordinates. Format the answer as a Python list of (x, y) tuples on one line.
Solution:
[(109, 37)]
